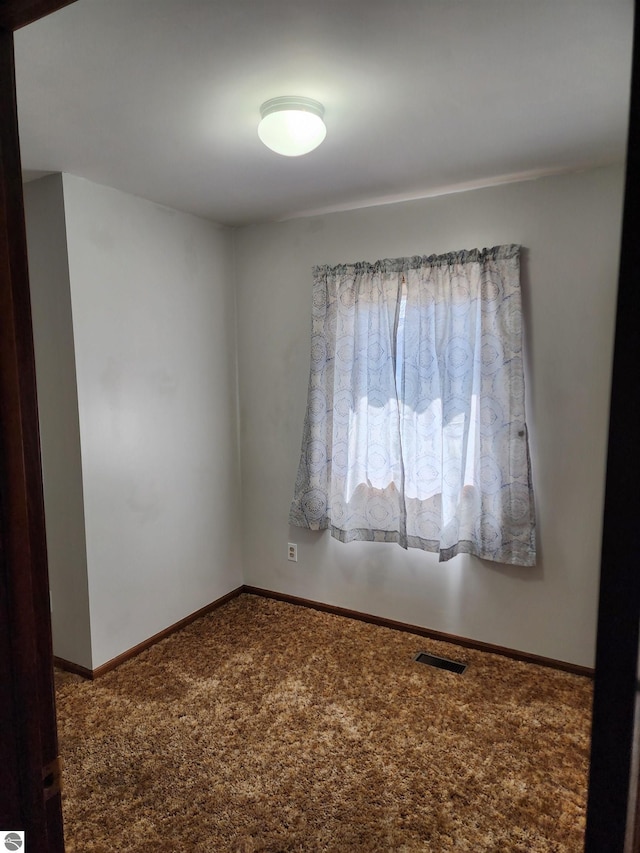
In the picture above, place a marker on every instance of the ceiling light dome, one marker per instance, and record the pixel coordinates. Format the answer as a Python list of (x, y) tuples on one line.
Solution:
[(292, 126)]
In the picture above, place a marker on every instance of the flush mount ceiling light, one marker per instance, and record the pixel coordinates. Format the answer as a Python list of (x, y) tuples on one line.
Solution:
[(292, 126)]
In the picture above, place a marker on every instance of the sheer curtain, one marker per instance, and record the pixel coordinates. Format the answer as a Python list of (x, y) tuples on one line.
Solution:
[(415, 427)]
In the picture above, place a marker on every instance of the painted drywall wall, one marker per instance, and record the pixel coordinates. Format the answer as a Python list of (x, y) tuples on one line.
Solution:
[(154, 331), (570, 228), (58, 414)]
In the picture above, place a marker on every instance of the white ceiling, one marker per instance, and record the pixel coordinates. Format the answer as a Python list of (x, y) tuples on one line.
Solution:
[(160, 98)]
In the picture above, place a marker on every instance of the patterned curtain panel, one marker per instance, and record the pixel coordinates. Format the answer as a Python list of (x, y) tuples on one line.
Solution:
[(415, 427)]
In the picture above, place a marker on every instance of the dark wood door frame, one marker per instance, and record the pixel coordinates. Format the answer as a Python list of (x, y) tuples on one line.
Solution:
[(610, 782), (27, 711), (28, 745)]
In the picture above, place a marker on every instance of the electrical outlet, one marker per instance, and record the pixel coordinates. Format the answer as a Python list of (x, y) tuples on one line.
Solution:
[(292, 552)]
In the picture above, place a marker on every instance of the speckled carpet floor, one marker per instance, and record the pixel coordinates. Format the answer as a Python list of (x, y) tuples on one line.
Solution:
[(269, 727)]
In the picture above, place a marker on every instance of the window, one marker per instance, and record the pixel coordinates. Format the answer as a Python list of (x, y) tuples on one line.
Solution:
[(415, 427)]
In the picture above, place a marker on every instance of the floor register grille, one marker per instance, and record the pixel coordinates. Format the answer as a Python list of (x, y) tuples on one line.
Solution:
[(440, 663)]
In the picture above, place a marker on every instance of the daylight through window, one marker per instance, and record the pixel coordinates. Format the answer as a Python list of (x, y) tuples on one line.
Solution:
[(415, 428)]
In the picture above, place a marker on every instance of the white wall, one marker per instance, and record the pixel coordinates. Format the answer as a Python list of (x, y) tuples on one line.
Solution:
[(143, 312), (570, 227), (154, 330), (58, 410)]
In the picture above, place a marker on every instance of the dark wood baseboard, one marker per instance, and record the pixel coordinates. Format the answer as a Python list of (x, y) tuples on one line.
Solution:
[(565, 666), (145, 644), (527, 657), (69, 666)]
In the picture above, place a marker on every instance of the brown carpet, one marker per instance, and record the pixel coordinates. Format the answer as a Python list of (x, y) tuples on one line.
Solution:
[(270, 727)]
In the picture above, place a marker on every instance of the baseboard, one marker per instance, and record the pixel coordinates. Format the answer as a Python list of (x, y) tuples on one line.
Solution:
[(565, 666), (75, 668), (91, 674), (145, 644)]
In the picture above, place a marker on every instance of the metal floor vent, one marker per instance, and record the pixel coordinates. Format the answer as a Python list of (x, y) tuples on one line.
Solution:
[(440, 663)]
